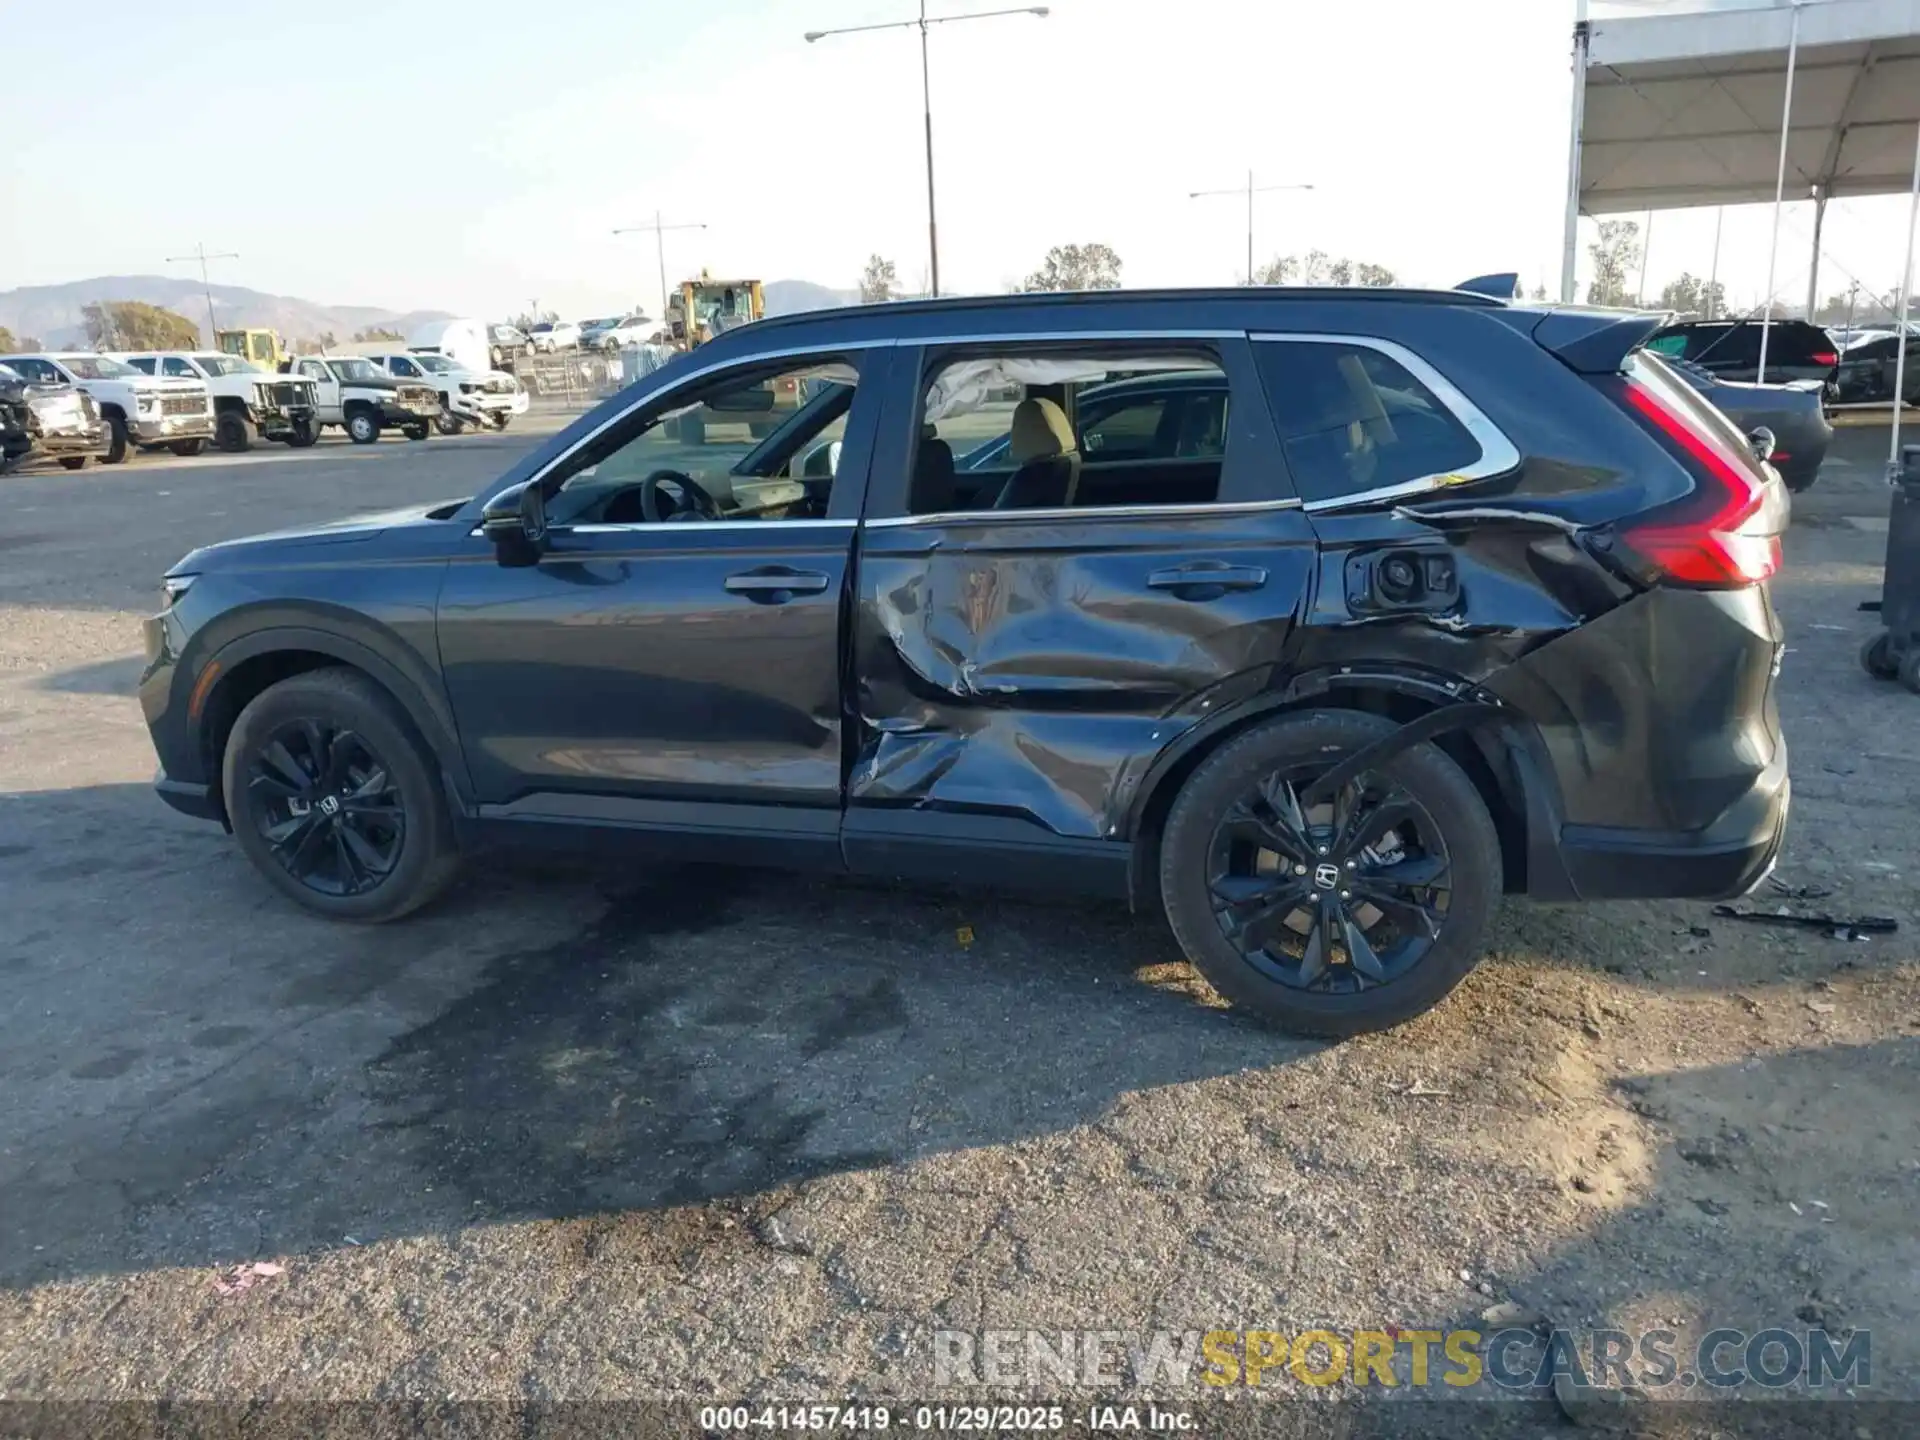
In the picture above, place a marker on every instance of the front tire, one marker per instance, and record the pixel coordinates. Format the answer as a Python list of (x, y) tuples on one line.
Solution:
[(498, 419), (1340, 918), (116, 441), (448, 424), (75, 462), (335, 801), (188, 447), (304, 433), (414, 432), (362, 427), (234, 432)]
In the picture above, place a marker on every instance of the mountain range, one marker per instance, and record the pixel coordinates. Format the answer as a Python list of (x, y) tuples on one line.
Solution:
[(51, 313)]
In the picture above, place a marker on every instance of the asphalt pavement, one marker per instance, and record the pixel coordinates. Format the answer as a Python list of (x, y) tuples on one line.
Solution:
[(620, 1131)]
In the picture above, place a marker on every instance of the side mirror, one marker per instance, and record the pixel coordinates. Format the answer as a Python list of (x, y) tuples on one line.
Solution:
[(515, 521), (1763, 443)]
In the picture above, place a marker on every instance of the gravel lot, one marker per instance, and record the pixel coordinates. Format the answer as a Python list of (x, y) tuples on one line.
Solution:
[(619, 1134)]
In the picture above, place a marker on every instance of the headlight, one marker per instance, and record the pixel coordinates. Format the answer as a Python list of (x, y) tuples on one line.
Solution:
[(176, 585), (147, 402)]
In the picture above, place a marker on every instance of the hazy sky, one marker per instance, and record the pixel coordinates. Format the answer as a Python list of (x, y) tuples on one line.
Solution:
[(476, 155)]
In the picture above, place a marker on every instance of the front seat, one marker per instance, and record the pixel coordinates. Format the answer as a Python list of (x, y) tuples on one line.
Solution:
[(933, 476), (1043, 446)]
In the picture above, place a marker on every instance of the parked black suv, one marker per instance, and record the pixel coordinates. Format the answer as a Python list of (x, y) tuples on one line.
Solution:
[(1796, 349), (1448, 597)]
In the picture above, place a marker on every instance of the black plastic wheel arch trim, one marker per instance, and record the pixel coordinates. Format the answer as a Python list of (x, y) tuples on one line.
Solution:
[(1414, 732)]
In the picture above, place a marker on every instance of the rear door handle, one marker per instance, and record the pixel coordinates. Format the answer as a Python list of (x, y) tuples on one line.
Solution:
[(774, 585), (1206, 581)]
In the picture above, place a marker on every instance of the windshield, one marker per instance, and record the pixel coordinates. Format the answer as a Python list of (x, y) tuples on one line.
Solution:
[(432, 364), (227, 365), (540, 329), (354, 369), (96, 367), (7, 372)]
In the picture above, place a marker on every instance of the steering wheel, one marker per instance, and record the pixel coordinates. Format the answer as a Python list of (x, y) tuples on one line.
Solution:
[(695, 502)]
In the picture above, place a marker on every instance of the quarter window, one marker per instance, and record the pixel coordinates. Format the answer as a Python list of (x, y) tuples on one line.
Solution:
[(1353, 419)]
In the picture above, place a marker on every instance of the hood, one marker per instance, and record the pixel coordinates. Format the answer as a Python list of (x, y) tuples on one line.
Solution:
[(355, 529)]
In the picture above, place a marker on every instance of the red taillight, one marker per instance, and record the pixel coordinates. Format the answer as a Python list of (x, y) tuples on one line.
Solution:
[(1717, 537), (1825, 357)]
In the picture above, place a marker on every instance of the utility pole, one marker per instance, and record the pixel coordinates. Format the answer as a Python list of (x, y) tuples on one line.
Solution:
[(1249, 191), (200, 254), (659, 227), (1039, 12), (1713, 275), (1646, 249)]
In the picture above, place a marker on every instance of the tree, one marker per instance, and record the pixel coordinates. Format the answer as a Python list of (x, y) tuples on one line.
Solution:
[(1614, 256), (1077, 267), (1690, 295), (134, 325), (376, 332), (9, 344), (879, 281), (1539, 293), (1317, 267), (527, 319)]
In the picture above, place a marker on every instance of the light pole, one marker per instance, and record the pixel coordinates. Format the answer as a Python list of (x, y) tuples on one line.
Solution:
[(1250, 190), (200, 254), (926, 98), (659, 228)]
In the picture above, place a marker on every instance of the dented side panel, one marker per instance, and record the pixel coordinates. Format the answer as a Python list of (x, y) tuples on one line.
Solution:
[(1034, 668)]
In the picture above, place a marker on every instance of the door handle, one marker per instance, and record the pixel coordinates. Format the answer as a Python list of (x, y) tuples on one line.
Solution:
[(1207, 581), (774, 586)]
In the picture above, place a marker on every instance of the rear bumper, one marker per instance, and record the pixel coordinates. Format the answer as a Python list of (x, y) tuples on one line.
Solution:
[(1726, 859)]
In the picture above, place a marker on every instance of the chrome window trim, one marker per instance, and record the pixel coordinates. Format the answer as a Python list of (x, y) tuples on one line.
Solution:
[(1498, 454), (737, 362), (1086, 512), (650, 526)]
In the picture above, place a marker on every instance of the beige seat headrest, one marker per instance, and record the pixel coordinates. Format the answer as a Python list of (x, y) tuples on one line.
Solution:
[(1040, 431)]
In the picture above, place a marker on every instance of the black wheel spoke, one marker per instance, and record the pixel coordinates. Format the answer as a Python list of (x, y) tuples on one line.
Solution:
[(1418, 872), (1250, 906), (288, 769), (366, 856), (300, 859), (1366, 820), (1416, 918), (1313, 959), (278, 834), (342, 747), (271, 782), (1360, 952), (376, 784)]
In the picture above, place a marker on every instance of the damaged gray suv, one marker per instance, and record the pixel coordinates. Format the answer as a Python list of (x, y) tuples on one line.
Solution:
[(1316, 619)]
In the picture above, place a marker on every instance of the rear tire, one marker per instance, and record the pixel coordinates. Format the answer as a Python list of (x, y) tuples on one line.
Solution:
[(1439, 867), (233, 432), (1910, 670), (1876, 658), (1800, 484), (116, 441), (75, 462), (448, 424), (188, 447), (371, 766)]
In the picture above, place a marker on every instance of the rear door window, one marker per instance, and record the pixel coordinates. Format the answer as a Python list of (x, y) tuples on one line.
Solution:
[(1354, 420)]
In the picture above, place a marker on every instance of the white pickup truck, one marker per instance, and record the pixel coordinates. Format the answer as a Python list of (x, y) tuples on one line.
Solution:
[(469, 397), (248, 401), (354, 393), (143, 410)]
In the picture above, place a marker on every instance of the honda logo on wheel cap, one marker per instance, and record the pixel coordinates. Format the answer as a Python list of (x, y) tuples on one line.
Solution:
[(329, 805), (1326, 876)]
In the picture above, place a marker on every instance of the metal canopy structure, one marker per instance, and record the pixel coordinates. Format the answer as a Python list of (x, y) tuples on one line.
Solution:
[(1718, 102), (1685, 109)]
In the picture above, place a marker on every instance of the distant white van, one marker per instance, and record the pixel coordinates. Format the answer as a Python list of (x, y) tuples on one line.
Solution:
[(462, 341)]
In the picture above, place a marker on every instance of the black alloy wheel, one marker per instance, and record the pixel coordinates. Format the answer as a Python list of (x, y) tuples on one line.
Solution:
[(1330, 914), (1335, 897), (327, 806)]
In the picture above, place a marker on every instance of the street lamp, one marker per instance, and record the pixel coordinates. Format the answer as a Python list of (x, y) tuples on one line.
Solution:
[(926, 98), (659, 229), (1249, 190)]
